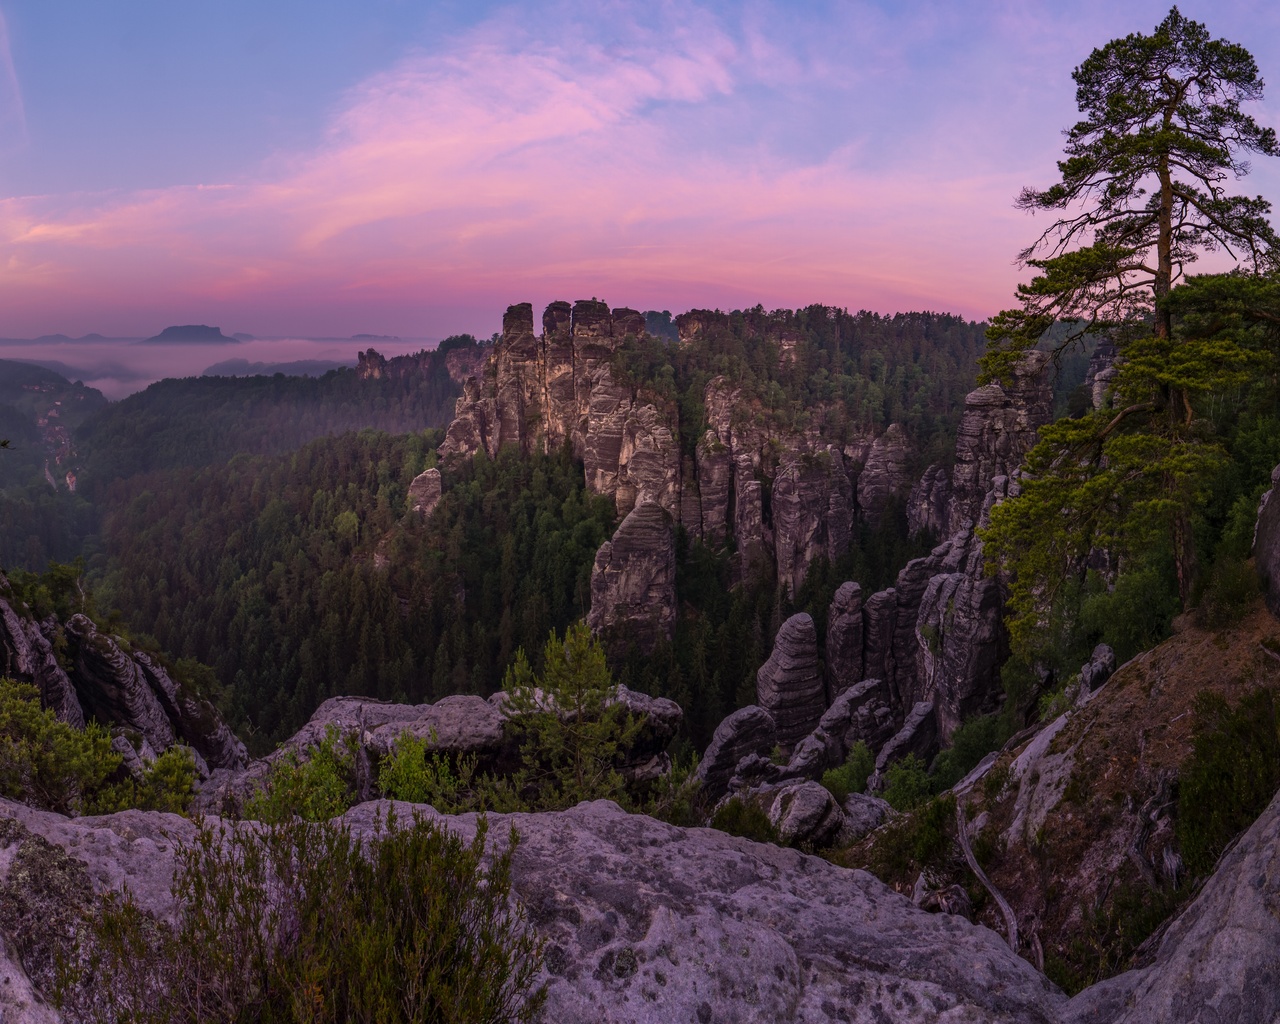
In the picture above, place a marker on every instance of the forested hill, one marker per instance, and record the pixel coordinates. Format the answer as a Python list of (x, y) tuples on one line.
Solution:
[(198, 421)]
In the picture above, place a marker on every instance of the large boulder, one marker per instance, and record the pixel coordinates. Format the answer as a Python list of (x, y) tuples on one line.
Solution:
[(861, 713), (789, 685), (633, 582), (426, 491), (1266, 543), (750, 730), (646, 923)]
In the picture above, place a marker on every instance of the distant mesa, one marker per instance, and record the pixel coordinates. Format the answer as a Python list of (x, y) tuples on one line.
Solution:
[(375, 337), (189, 334)]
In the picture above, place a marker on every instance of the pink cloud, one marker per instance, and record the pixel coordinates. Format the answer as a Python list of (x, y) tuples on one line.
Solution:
[(506, 168)]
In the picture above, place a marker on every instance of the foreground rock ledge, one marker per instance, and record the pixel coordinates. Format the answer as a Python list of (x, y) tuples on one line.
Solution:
[(646, 922)]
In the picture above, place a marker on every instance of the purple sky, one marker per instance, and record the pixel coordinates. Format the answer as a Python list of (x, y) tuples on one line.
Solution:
[(404, 168)]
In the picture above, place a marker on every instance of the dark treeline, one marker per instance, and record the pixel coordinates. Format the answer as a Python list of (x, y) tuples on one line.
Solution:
[(197, 421)]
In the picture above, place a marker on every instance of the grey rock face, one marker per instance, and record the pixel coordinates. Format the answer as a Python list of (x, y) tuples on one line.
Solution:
[(27, 656), (789, 685), (113, 687), (633, 582), (1217, 961), (1098, 669), (880, 616), (961, 646), (918, 736), (812, 512), (715, 476), (1266, 543), (426, 491), (928, 504), (749, 730), (844, 639), (996, 431), (646, 923), (861, 713), (884, 475), (1102, 371)]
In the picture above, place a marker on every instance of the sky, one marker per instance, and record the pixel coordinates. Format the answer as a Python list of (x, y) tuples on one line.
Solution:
[(325, 168)]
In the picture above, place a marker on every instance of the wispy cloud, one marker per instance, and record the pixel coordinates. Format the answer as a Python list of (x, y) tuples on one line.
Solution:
[(650, 158)]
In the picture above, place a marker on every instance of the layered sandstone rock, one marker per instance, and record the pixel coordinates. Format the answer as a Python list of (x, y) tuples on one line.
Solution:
[(633, 582), (928, 505), (884, 476), (426, 491), (812, 512), (789, 685), (750, 730), (1266, 543), (844, 640)]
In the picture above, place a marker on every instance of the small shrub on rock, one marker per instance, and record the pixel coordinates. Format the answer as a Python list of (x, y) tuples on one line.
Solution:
[(315, 789), (305, 922), (851, 777), (742, 818), (907, 784)]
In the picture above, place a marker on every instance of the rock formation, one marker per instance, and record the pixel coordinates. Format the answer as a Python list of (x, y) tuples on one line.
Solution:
[(844, 640), (425, 492), (928, 504), (1101, 372), (748, 731), (129, 690), (1266, 543), (789, 685), (633, 582), (884, 476), (646, 923), (812, 512)]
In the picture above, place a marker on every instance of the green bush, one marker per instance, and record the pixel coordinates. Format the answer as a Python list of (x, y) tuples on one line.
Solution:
[(413, 773), (47, 763), (973, 741), (907, 784), (302, 921), (1231, 776), (315, 789), (904, 846), (742, 818), (850, 777)]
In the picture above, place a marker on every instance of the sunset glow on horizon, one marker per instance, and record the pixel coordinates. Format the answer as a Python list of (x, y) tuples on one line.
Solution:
[(670, 156)]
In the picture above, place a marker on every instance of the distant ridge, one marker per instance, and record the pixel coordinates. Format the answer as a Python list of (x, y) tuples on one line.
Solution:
[(191, 333)]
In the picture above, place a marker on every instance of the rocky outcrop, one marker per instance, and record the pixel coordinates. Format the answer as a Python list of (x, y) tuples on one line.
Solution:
[(844, 640), (806, 813), (26, 655), (748, 731), (812, 512), (646, 923), (633, 582), (426, 491), (884, 476), (1266, 543), (789, 685), (541, 392), (1102, 371), (918, 736), (996, 431), (860, 714), (1097, 670), (928, 505)]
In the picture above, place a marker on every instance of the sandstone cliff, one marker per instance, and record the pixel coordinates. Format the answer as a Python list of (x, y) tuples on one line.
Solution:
[(633, 582), (129, 690)]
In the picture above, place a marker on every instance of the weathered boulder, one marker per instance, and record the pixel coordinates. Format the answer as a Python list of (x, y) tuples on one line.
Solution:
[(861, 713), (806, 812), (646, 923), (633, 582), (789, 685), (426, 491), (844, 640), (749, 730), (863, 814), (1266, 543), (884, 475), (1098, 669)]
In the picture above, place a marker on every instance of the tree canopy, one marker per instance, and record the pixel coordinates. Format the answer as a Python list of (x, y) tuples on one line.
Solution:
[(1146, 483)]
